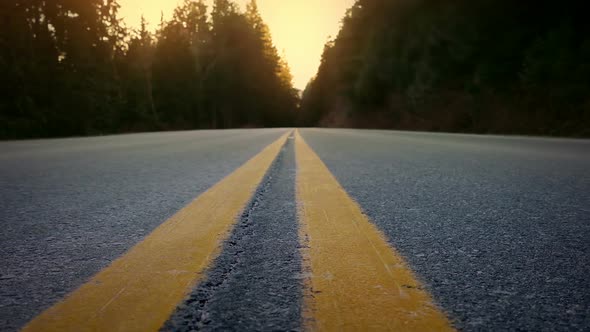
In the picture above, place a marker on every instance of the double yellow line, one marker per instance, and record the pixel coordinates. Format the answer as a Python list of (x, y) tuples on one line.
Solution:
[(357, 281)]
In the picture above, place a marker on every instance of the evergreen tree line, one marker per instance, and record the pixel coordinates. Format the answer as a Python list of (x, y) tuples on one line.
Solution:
[(71, 67), (487, 66)]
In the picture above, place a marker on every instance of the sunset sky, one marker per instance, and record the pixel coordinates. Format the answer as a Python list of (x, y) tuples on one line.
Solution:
[(300, 28)]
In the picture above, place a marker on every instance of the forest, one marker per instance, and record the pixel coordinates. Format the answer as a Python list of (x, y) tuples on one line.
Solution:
[(72, 68), (485, 66)]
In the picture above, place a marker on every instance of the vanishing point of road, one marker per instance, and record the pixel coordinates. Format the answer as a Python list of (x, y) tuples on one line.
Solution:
[(282, 229)]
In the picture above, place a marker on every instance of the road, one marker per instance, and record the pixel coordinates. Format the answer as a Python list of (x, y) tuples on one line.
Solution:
[(71, 206), (494, 230), (498, 228)]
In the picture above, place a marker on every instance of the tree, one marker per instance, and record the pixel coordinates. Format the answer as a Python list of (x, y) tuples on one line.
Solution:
[(73, 68), (456, 66)]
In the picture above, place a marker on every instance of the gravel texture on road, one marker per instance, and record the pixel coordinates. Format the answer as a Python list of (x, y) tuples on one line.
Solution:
[(498, 228), (69, 207), (256, 282)]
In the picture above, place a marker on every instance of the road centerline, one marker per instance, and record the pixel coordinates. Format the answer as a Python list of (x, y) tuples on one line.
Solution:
[(357, 281), (140, 290), (255, 283)]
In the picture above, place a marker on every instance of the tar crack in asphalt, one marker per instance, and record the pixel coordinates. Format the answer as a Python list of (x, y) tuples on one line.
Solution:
[(255, 284)]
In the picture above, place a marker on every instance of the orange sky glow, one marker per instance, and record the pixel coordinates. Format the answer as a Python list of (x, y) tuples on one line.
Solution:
[(300, 28)]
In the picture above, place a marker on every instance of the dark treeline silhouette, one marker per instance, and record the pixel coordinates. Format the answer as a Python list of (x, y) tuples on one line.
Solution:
[(70, 67), (488, 66)]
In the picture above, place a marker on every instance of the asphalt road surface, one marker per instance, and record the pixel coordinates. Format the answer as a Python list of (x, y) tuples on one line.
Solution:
[(69, 207), (497, 229)]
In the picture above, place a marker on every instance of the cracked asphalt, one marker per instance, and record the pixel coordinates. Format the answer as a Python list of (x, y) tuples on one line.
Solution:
[(68, 207), (256, 283), (496, 228)]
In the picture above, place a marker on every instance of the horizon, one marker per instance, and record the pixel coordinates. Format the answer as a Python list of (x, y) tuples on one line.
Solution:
[(299, 29)]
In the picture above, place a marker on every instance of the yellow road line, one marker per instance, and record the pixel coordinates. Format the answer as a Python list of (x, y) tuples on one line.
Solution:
[(141, 289), (357, 281)]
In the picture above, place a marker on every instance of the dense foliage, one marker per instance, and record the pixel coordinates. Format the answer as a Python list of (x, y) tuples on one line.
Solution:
[(70, 67), (478, 66)]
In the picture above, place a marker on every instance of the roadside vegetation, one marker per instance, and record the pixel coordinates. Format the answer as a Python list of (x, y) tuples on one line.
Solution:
[(486, 66), (72, 68)]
